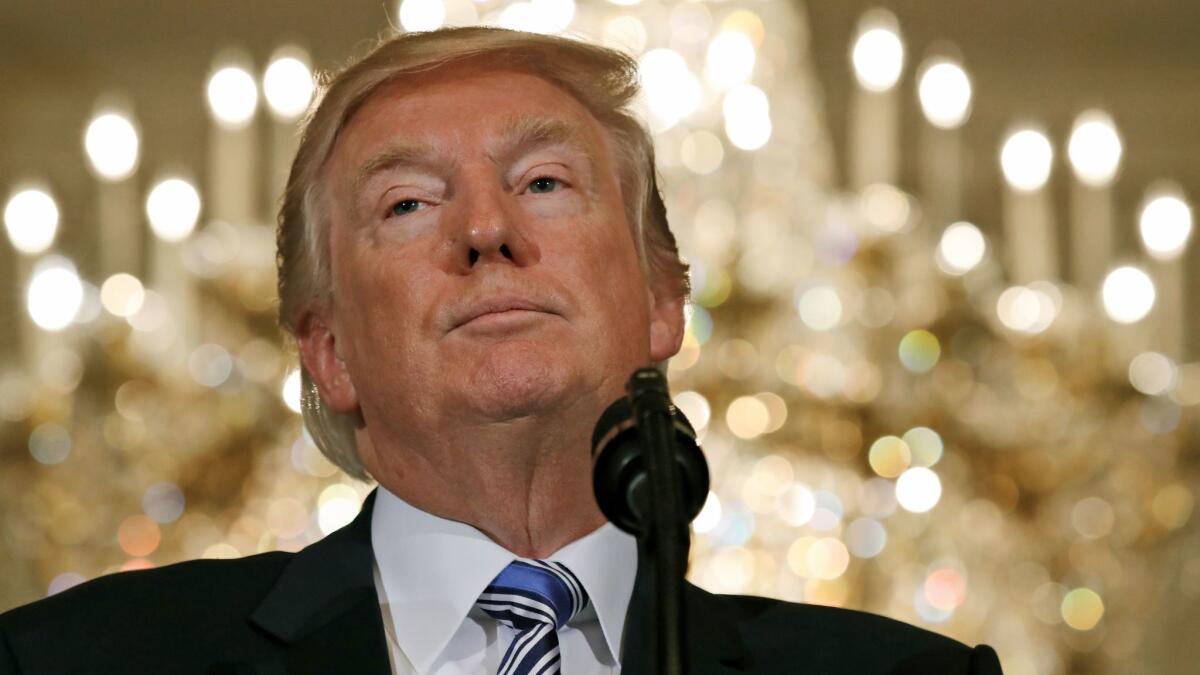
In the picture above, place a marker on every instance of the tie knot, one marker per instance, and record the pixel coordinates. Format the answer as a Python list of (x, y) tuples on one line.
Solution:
[(529, 593)]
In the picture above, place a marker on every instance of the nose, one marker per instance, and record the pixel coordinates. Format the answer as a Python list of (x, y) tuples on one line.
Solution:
[(492, 230)]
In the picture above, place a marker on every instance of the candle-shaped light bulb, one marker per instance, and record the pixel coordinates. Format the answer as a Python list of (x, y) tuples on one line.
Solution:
[(111, 144), (1128, 294), (288, 84), (1165, 225), (1094, 149), (232, 97), (945, 93), (878, 53), (1026, 158), (31, 220), (173, 208)]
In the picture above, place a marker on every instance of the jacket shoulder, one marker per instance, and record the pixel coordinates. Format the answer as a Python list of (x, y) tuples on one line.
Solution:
[(837, 640), (175, 607)]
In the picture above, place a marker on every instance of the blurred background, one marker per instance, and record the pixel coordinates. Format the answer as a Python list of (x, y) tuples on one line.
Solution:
[(940, 347)]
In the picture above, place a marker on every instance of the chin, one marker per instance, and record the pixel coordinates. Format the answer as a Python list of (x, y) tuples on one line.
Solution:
[(511, 383)]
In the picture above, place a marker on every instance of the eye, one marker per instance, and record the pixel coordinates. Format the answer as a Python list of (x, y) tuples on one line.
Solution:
[(405, 206), (543, 185)]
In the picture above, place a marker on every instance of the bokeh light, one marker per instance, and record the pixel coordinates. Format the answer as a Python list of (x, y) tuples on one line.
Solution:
[(945, 93), (925, 445), (111, 144), (288, 84), (1026, 309), (1152, 373), (669, 89), (961, 248), (421, 15), (290, 391), (695, 407), (919, 351), (50, 443), (163, 502), (747, 417), (1082, 608), (337, 505), (730, 59), (1026, 159), (878, 53), (866, 537), (122, 294), (1128, 294), (55, 293), (709, 516), (747, 117), (139, 536), (232, 97), (31, 220), (173, 207), (1165, 226), (1094, 148), (889, 456), (918, 489), (820, 308)]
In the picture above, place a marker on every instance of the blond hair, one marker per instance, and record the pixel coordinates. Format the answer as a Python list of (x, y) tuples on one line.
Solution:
[(603, 80)]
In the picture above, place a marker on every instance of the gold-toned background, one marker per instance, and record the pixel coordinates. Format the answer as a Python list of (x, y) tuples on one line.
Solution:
[(840, 375)]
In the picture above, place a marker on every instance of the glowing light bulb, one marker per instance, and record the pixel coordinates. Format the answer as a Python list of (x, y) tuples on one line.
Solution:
[(1128, 294), (31, 219), (1094, 148), (416, 15), (232, 97), (960, 249), (173, 208), (55, 293), (878, 53), (288, 84), (1165, 226), (1026, 159), (111, 144), (945, 93)]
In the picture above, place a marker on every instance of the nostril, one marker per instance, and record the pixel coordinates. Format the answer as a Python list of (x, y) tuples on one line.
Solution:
[(473, 256), (505, 252)]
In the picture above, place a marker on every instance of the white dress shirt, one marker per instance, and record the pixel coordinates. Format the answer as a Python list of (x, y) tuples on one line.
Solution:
[(429, 571)]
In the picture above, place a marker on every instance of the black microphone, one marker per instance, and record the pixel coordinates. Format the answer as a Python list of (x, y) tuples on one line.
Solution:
[(620, 473)]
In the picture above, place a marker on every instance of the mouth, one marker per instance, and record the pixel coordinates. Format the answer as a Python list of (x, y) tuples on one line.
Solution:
[(498, 313)]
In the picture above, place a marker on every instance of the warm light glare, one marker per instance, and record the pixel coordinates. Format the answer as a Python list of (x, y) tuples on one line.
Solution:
[(31, 219), (918, 489), (960, 249), (670, 90), (1026, 159), (232, 96), (291, 391), (730, 59), (1128, 294), (820, 308), (945, 94), (1026, 309), (55, 293), (1094, 148), (1165, 226), (538, 16), (747, 117), (173, 208), (122, 295), (288, 87), (419, 15), (878, 58), (111, 144)]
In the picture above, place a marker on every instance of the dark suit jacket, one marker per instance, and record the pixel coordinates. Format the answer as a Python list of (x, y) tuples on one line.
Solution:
[(316, 611)]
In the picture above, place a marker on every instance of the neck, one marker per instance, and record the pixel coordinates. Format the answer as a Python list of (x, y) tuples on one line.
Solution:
[(524, 482)]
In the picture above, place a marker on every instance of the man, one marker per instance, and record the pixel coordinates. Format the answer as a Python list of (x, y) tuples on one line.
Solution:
[(473, 259)]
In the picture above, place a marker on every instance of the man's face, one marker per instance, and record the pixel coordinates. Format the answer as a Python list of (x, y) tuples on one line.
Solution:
[(483, 269)]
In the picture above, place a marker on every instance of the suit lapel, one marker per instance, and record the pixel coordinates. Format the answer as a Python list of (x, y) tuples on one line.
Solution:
[(324, 607)]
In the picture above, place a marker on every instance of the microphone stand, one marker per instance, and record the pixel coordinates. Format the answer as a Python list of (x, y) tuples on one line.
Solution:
[(665, 537)]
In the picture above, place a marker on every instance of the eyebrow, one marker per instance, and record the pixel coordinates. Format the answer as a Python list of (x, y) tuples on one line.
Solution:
[(519, 134)]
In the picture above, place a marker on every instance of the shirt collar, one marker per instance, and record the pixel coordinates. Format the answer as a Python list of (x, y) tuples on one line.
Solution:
[(433, 570)]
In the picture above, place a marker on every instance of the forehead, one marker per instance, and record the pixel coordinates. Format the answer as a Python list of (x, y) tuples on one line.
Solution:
[(457, 105)]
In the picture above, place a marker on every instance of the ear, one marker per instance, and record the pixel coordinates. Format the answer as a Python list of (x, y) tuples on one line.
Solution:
[(318, 352), (666, 322)]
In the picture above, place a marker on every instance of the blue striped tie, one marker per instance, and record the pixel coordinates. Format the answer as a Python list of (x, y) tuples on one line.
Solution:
[(535, 598)]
